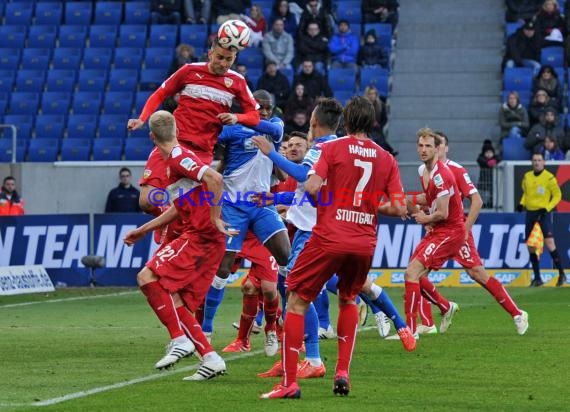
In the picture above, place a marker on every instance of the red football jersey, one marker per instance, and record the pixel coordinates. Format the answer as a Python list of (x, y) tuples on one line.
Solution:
[(203, 96), (464, 183), (154, 173), (357, 173), (442, 183), (289, 185)]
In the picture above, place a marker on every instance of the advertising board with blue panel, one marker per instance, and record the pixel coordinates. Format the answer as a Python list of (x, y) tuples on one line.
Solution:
[(58, 242)]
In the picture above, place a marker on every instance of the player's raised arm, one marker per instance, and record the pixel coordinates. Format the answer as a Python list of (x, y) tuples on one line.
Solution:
[(215, 184), (135, 235)]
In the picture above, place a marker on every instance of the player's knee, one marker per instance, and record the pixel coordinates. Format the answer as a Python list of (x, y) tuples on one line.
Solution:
[(479, 275), (249, 289), (144, 276)]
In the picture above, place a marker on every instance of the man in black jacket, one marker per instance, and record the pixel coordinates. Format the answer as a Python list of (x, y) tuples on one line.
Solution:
[(313, 45), (316, 84), (523, 48), (275, 83), (124, 198)]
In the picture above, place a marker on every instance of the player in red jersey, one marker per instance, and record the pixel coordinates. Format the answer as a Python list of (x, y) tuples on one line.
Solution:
[(468, 255), (355, 166), (180, 267), (445, 224)]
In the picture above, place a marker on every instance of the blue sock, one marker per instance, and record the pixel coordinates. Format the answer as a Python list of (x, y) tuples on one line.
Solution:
[(312, 333), (281, 288), (385, 304), (322, 307), (370, 303), (259, 317), (213, 299), (332, 285)]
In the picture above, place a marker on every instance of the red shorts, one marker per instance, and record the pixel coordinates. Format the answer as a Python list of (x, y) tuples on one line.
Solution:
[(468, 255), (314, 267), (263, 264), (437, 247), (188, 264)]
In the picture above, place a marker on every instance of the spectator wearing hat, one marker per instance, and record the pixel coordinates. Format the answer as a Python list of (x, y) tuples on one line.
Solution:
[(315, 13), (547, 79), (487, 161), (344, 47), (548, 126), (372, 53), (523, 48), (275, 83), (381, 11), (513, 117), (278, 46)]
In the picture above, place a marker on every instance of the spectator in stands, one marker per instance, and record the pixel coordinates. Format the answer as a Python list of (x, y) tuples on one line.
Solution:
[(281, 11), (344, 47), (124, 198), (298, 101), (314, 46), (275, 83), (380, 11), (278, 46), (165, 11), (548, 126), (11, 204), (372, 53), (300, 123), (551, 150), (540, 102), (242, 69), (314, 13), (521, 9), (549, 18), (513, 117), (487, 161), (184, 55), (204, 6), (257, 24), (547, 80), (523, 48), (230, 9), (316, 84), (380, 119)]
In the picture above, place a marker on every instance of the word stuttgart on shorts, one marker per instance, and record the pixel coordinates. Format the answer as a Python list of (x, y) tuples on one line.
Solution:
[(341, 197)]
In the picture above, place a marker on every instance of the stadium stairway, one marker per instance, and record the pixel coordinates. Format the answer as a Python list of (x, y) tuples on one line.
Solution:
[(446, 76)]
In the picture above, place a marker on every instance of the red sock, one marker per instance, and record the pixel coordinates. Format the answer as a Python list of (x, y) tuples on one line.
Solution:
[(199, 314), (270, 307), (426, 315), (293, 332), (498, 291), (429, 291), (248, 314), (346, 326), (161, 302), (194, 331), (411, 303)]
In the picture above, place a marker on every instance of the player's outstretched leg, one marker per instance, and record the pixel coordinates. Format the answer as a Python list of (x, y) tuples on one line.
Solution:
[(312, 366)]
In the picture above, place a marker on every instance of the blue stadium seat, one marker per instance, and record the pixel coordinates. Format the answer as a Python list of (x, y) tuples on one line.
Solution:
[(349, 11), (49, 13), (253, 75), (92, 80), (510, 28), (513, 149), (42, 37), (13, 36), (72, 36), (30, 80), (163, 35), (132, 35), (4, 99), (128, 58), (158, 58), (107, 148), (102, 36), (194, 34), (43, 150), (19, 13), (289, 73), (61, 80), (517, 78), (36, 59), (6, 149), (10, 59), (24, 102), (118, 103), (137, 148), (75, 149), (137, 12), (379, 28), (113, 125), (252, 57), (86, 103), (7, 78), (560, 73), (554, 56), (82, 126), (140, 99), (108, 12), (377, 77), (123, 80), (79, 13), (343, 96), (151, 79), (50, 126), (67, 58), (97, 58), (56, 102), (342, 79), (23, 122)]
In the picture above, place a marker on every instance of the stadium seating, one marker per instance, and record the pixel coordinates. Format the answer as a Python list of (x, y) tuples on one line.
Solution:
[(75, 149), (43, 150), (30, 80), (81, 126), (19, 13), (49, 13), (108, 12), (517, 78), (107, 148), (350, 11), (42, 37), (194, 34), (377, 77), (56, 102), (128, 57), (342, 79), (36, 58), (158, 58), (13, 36), (85, 102), (137, 12), (132, 35), (123, 80), (50, 126), (510, 28), (97, 58), (24, 103), (24, 124), (113, 125), (60, 80), (553, 56), (78, 13), (10, 59), (163, 35), (72, 36), (343, 96), (102, 35), (67, 58), (118, 102), (140, 99), (93, 80), (6, 149), (7, 78), (513, 149), (252, 57), (137, 148), (151, 79)]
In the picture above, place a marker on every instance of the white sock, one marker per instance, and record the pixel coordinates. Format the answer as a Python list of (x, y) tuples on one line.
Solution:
[(376, 290), (316, 362), (283, 271), (181, 339), (211, 356), (219, 283)]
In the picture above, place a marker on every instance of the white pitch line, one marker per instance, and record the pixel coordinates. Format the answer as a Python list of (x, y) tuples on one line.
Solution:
[(15, 305)]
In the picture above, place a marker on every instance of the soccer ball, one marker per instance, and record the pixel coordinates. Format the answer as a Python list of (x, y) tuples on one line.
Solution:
[(234, 33)]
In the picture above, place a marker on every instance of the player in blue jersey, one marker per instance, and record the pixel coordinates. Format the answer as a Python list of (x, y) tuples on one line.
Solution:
[(247, 171)]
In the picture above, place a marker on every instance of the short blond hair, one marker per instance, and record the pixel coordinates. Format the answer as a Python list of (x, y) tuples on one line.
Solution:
[(163, 126), (427, 132)]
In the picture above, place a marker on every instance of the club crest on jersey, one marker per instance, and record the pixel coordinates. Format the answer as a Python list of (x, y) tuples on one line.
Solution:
[(438, 180), (147, 173), (228, 82), (188, 163)]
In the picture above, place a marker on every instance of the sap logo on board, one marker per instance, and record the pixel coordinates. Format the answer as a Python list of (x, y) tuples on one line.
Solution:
[(465, 279), (397, 277), (507, 278), (438, 277), (375, 274)]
